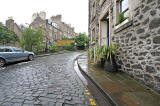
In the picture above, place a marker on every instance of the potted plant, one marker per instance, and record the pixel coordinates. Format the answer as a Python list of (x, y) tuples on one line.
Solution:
[(105, 55), (121, 18), (110, 64)]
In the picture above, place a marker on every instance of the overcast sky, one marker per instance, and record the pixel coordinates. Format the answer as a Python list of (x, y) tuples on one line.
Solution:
[(74, 12)]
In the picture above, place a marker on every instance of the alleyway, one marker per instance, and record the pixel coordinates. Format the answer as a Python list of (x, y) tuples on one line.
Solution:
[(46, 81)]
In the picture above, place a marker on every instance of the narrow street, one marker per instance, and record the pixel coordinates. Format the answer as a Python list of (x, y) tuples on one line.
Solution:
[(46, 81)]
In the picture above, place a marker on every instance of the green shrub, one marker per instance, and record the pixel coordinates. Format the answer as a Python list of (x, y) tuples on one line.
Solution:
[(90, 52), (81, 40), (66, 38), (54, 47), (39, 49), (69, 47)]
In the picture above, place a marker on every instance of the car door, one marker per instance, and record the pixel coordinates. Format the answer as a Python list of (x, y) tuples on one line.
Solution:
[(21, 53), (18, 54)]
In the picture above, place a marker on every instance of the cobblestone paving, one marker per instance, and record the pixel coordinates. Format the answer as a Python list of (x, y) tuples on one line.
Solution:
[(46, 81)]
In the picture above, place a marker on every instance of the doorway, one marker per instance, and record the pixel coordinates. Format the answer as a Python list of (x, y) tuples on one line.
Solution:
[(108, 32), (105, 30)]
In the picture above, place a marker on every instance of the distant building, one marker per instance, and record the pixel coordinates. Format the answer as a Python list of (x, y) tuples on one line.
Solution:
[(11, 25), (67, 30), (53, 28)]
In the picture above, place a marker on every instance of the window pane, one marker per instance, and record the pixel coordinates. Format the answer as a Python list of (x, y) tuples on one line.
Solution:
[(124, 5), (7, 50), (126, 14), (17, 50), (1, 49)]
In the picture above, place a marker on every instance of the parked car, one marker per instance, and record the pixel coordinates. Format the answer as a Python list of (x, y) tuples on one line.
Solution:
[(10, 54)]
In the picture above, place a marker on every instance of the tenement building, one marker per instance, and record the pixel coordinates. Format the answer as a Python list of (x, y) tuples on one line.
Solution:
[(11, 25), (135, 26), (53, 28)]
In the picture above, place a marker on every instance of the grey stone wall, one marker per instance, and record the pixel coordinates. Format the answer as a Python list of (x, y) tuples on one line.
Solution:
[(139, 51), (93, 20), (139, 40)]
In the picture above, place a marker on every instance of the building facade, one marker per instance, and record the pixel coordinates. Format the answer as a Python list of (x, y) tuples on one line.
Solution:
[(135, 26), (53, 29), (11, 25), (67, 30)]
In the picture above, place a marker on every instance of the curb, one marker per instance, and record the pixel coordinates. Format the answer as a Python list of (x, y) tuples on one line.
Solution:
[(107, 96), (36, 56)]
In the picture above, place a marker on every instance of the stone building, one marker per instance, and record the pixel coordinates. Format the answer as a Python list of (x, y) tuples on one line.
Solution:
[(138, 35), (11, 25), (53, 28), (67, 30)]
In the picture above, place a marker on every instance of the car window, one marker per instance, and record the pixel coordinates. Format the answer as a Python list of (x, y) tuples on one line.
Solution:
[(17, 49), (2, 50), (5, 50)]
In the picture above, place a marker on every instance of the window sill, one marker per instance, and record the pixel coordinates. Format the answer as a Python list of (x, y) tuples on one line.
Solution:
[(125, 24)]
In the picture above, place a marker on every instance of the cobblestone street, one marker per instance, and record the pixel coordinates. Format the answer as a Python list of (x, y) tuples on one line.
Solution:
[(46, 81)]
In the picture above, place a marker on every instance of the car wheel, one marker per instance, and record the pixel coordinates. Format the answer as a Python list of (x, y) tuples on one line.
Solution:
[(2, 62), (30, 57)]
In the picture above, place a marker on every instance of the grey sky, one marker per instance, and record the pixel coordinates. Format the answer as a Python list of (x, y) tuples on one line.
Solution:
[(74, 12)]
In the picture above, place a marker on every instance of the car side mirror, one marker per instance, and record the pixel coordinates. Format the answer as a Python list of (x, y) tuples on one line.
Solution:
[(22, 50)]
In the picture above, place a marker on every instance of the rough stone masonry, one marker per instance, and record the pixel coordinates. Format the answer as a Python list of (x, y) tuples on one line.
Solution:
[(139, 38), (139, 52)]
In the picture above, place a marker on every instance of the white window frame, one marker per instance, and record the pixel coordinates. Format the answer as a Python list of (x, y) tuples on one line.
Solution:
[(120, 7), (118, 11)]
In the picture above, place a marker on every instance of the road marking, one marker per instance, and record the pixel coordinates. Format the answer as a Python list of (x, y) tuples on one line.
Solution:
[(93, 103)]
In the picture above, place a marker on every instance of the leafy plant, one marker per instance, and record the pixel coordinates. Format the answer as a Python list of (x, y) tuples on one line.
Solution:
[(93, 38), (32, 40), (66, 38), (7, 36), (81, 40), (111, 51), (121, 18), (54, 47), (70, 47), (103, 52), (90, 52)]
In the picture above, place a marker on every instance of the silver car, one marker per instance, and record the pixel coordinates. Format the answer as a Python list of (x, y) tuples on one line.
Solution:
[(13, 54)]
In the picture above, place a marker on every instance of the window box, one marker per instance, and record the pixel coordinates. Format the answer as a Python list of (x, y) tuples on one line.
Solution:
[(121, 24), (125, 24)]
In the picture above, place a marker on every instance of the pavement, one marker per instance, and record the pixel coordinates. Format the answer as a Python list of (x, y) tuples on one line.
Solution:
[(118, 87), (46, 81)]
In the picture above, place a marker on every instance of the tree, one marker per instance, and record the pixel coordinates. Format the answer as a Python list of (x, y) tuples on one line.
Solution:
[(81, 40), (7, 36), (32, 40)]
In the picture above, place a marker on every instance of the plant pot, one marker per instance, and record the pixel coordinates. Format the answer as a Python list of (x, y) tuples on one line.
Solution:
[(103, 62), (110, 67)]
